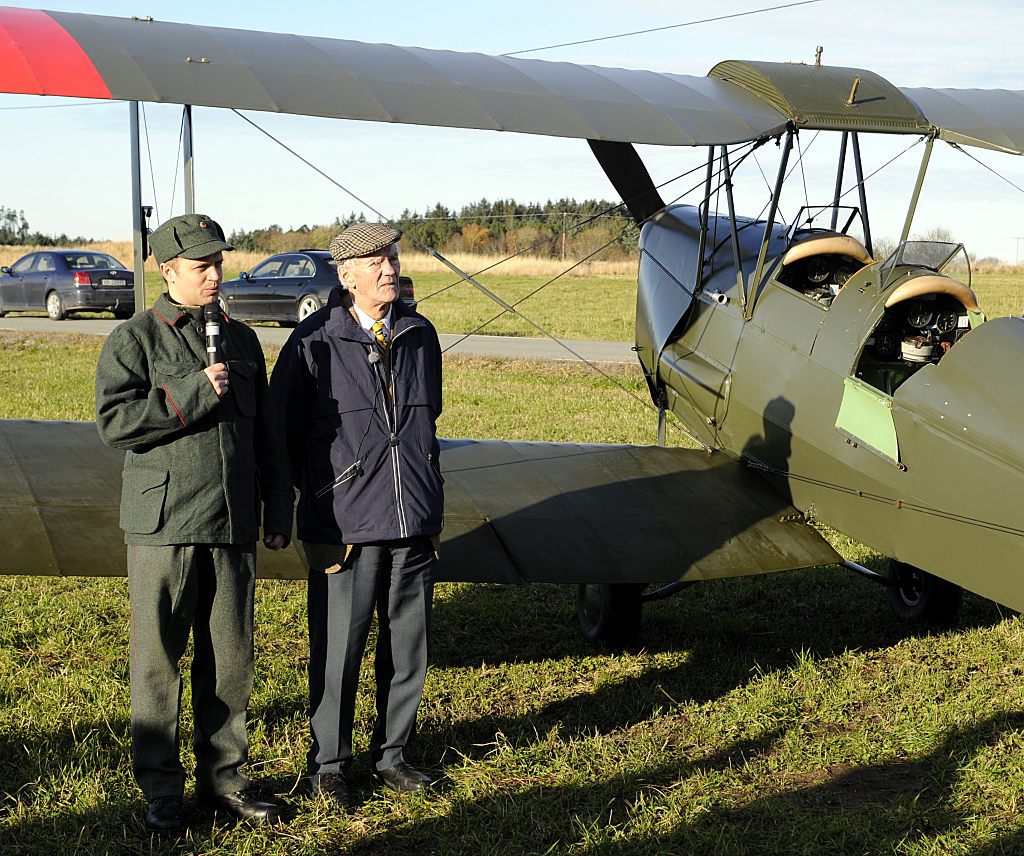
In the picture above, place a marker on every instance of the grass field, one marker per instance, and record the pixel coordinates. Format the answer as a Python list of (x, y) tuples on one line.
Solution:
[(787, 714)]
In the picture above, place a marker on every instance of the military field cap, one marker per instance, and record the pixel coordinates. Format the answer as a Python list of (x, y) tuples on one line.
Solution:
[(188, 236), (362, 239)]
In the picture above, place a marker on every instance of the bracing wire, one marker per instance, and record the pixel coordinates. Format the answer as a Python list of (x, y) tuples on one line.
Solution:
[(149, 157), (579, 226), (507, 307), (177, 162), (981, 163), (667, 27)]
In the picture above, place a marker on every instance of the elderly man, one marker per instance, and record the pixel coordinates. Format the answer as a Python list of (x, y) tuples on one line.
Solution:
[(358, 390), (198, 459)]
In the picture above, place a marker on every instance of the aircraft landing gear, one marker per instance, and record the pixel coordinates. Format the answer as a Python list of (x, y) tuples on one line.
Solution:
[(922, 598), (610, 613)]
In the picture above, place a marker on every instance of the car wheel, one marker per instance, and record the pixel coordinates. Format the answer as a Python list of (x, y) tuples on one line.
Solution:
[(922, 598), (307, 306), (55, 306), (610, 613)]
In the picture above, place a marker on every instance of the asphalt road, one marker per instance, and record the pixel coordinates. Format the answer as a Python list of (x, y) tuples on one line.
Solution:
[(510, 347)]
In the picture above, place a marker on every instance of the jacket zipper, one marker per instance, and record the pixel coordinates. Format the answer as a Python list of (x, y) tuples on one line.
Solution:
[(392, 421)]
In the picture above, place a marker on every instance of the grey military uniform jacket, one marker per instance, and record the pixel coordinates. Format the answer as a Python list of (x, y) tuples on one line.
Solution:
[(197, 467)]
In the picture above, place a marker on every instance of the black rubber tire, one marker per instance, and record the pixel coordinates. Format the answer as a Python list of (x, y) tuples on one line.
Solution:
[(307, 306), (922, 598), (610, 613), (122, 314), (55, 307)]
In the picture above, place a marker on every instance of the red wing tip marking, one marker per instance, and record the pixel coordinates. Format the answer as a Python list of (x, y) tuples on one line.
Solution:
[(39, 57)]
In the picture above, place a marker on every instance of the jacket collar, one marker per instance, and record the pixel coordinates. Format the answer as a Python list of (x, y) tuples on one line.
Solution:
[(172, 314)]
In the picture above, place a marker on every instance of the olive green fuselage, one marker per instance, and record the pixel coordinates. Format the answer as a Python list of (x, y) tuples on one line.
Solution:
[(924, 464)]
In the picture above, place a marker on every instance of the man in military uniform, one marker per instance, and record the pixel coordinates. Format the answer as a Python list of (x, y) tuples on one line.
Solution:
[(199, 459), (357, 388)]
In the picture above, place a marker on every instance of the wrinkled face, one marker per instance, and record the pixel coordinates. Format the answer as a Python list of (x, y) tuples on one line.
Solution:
[(372, 280), (194, 282)]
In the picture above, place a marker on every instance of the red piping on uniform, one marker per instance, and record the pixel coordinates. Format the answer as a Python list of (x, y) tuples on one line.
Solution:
[(163, 386), (153, 309), (39, 57)]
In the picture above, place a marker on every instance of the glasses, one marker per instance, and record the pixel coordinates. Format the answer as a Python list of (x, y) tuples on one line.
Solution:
[(376, 262)]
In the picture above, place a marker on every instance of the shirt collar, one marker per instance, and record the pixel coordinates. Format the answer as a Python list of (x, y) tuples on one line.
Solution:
[(366, 322)]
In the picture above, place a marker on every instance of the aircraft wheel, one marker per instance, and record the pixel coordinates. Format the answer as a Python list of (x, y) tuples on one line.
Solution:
[(610, 613), (923, 598), (55, 306), (307, 306)]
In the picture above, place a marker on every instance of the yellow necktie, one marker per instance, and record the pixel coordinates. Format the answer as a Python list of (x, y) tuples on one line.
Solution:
[(380, 335)]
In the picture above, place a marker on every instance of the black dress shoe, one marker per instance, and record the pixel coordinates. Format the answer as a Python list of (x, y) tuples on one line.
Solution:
[(246, 805), (333, 786), (163, 817), (404, 778)]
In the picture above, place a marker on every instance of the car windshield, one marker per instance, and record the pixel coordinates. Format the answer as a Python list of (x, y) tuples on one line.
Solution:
[(91, 261)]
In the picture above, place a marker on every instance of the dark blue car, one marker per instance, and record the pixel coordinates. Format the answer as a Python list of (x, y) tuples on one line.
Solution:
[(287, 287), (63, 281)]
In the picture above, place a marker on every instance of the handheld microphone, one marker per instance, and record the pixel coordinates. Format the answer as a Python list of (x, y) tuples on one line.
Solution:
[(211, 314)]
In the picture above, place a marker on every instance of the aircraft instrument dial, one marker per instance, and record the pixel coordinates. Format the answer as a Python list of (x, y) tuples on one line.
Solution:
[(818, 269), (946, 321), (919, 315)]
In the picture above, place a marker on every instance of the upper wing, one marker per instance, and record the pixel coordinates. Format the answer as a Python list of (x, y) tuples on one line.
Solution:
[(513, 512), (94, 56)]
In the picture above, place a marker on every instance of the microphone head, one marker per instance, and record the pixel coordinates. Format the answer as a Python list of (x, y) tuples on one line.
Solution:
[(373, 358), (211, 312)]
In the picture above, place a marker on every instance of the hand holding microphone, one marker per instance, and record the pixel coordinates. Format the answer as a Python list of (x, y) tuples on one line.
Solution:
[(216, 370)]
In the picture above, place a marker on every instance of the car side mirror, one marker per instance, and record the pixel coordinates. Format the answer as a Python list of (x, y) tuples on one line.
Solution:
[(244, 274), (5, 269)]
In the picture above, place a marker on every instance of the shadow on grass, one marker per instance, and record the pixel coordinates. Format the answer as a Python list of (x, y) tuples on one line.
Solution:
[(878, 808), (39, 775)]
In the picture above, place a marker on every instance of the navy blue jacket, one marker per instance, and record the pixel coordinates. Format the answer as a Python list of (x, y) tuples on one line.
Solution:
[(359, 429)]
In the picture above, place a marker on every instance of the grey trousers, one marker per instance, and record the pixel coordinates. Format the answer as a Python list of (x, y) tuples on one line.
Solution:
[(207, 589), (396, 579)]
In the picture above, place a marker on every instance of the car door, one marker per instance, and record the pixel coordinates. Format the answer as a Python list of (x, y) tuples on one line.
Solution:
[(251, 294), (283, 297), (13, 285), (40, 280)]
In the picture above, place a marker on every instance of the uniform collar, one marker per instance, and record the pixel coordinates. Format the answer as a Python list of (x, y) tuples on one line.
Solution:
[(173, 314)]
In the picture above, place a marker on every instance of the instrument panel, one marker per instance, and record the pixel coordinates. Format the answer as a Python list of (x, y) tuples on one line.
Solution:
[(821, 276), (910, 335)]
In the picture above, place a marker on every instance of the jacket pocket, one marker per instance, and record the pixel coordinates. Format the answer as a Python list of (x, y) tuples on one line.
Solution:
[(143, 493), (242, 383)]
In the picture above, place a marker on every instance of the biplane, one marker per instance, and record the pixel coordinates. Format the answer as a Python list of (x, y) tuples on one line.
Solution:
[(821, 382)]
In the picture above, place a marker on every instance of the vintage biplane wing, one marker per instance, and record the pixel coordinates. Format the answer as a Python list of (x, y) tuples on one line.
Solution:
[(514, 512), (139, 59)]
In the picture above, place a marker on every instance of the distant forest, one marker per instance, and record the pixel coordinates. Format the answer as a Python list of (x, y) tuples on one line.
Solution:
[(563, 228), (14, 230)]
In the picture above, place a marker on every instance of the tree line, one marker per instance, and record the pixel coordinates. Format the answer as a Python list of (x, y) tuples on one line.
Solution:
[(562, 228), (15, 230)]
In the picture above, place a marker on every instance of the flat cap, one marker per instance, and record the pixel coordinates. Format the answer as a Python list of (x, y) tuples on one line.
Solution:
[(188, 236), (362, 239)]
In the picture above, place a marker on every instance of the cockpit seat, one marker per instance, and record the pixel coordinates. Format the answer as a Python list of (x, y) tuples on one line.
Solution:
[(934, 284), (830, 244)]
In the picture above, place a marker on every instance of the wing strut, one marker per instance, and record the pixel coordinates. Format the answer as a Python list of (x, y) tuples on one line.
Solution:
[(629, 177)]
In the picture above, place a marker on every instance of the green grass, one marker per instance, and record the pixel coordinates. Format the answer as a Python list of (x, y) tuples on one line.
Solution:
[(785, 714)]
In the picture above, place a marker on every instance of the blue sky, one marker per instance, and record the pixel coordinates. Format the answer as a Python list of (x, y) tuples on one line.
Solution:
[(67, 167)]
